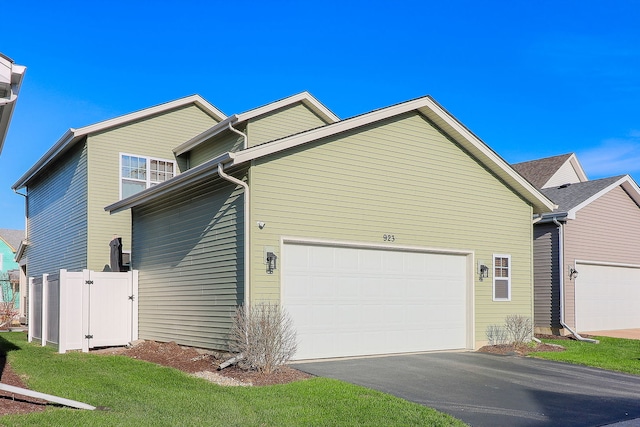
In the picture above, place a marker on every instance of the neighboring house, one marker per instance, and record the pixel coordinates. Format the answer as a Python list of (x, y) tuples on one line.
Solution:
[(9, 269), (90, 167), (587, 251), (393, 231), (11, 76)]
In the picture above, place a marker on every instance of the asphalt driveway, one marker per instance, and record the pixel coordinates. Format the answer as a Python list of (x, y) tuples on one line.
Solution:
[(490, 390)]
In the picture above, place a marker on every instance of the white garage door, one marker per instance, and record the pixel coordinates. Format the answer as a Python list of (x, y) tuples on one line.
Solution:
[(607, 297), (355, 301)]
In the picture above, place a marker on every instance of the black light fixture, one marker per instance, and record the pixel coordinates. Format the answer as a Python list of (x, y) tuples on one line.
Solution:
[(573, 273), (271, 262), (484, 272)]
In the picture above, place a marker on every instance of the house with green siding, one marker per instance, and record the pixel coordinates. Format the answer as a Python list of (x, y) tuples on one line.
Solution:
[(394, 231), (96, 165), (9, 269)]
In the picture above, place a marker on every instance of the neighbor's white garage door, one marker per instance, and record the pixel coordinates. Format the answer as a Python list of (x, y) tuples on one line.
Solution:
[(607, 297), (354, 301)]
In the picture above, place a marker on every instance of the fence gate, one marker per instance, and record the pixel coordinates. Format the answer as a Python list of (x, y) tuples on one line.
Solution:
[(83, 310)]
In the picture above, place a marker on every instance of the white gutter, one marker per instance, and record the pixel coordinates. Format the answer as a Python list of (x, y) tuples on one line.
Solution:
[(10, 100), (247, 251), (561, 265)]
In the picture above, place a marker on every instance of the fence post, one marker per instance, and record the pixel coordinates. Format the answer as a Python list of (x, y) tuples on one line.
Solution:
[(134, 307), (86, 300), (45, 308), (30, 312), (62, 323)]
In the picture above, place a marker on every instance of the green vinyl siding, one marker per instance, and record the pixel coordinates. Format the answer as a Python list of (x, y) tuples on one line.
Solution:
[(212, 148), (400, 176), (154, 136), (189, 254), (57, 216), (283, 122)]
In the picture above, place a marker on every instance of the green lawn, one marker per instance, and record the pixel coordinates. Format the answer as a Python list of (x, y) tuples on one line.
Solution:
[(614, 354), (137, 393)]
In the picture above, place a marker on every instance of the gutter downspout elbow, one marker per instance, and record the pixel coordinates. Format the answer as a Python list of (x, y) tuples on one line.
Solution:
[(247, 264), (245, 139), (561, 265)]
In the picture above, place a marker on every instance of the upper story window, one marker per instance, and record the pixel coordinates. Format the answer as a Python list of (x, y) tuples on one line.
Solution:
[(501, 277), (139, 172)]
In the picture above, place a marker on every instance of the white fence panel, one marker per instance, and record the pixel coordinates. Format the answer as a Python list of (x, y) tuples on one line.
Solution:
[(83, 310)]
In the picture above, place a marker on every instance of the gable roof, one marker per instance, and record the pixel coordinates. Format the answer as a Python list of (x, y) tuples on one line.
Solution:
[(72, 136), (304, 97), (13, 238), (11, 76), (539, 172), (426, 106), (570, 198)]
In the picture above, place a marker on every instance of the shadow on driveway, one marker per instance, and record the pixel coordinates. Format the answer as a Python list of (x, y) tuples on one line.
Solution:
[(490, 390)]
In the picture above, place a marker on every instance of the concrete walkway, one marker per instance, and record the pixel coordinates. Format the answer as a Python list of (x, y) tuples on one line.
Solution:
[(633, 334)]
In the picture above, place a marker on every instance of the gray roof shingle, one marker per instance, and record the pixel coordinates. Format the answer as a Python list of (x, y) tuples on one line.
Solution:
[(538, 172), (569, 196), (12, 237)]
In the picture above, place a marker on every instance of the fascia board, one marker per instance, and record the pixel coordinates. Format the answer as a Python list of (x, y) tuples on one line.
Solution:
[(73, 135), (217, 129), (59, 147), (578, 168), (304, 97), (6, 113), (429, 108), (625, 182), (174, 184)]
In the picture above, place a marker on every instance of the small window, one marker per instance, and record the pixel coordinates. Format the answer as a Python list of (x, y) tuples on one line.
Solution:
[(138, 173), (501, 277)]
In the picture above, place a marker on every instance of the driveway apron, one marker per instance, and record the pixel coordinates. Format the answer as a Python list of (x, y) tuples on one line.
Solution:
[(491, 390)]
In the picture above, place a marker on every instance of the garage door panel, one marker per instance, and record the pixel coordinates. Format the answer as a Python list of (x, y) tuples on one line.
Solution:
[(383, 302), (607, 297)]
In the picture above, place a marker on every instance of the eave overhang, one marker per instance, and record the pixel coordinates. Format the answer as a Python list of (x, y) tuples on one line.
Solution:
[(72, 136)]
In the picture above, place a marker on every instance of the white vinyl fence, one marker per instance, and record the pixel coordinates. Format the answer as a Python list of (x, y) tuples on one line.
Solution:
[(83, 310)]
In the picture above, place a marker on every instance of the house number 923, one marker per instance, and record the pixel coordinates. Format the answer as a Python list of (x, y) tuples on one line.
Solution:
[(389, 238)]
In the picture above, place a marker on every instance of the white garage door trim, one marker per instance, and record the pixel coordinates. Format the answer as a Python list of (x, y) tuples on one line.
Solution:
[(606, 310), (464, 283)]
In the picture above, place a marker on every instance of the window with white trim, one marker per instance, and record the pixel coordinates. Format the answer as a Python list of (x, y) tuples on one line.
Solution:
[(501, 277), (139, 172)]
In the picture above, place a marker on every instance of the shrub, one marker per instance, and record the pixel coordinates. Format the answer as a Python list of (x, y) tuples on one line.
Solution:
[(264, 336), (497, 335), (519, 328)]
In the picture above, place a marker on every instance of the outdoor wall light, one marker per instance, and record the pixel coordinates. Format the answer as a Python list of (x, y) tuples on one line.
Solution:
[(573, 273), (271, 262), (261, 225), (484, 272)]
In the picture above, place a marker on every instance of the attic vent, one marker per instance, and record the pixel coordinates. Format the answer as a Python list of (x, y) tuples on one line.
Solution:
[(564, 185)]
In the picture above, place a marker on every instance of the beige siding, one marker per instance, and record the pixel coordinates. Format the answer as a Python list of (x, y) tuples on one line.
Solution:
[(546, 276), (155, 137), (400, 177), (189, 253), (57, 208), (565, 175), (607, 230), (283, 122)]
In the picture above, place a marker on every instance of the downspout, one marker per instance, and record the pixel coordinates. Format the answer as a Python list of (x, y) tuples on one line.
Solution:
[(9, 100), (26, 213), (245, 139), (561, 265), (247, 264)]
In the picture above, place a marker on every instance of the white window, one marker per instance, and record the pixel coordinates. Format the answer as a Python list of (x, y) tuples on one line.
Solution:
[(139, 172), (501, 277)]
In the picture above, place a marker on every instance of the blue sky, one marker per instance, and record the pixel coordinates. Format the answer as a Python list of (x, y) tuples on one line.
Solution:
[(531, 79)]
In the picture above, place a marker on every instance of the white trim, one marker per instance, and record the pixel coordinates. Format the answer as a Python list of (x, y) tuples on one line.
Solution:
[(369, 245), (73, 135), (148, 180), (625, 182), (493, 273), (305, 97), (603, 263)]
